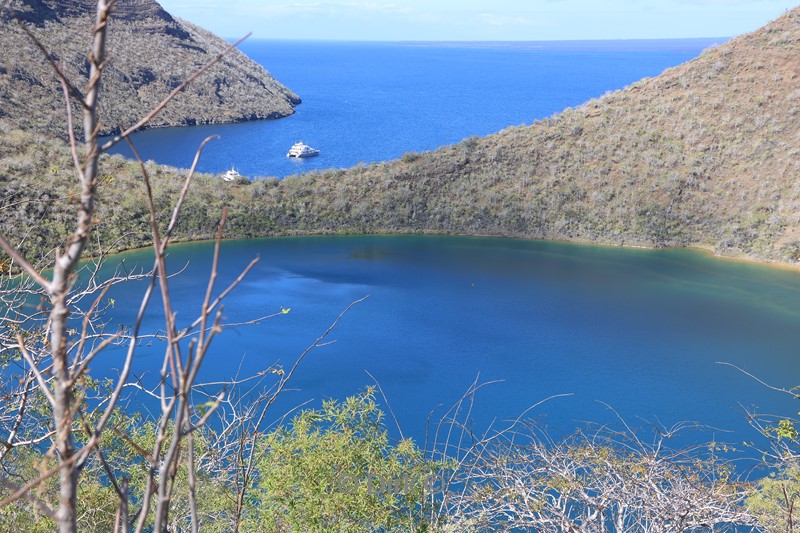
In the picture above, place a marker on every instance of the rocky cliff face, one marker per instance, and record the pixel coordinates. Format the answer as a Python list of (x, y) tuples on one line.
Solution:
[(151, 54), (38, 12)]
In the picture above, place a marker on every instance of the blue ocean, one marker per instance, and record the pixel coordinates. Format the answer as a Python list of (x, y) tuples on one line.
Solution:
[(627, 334), (367, 102)]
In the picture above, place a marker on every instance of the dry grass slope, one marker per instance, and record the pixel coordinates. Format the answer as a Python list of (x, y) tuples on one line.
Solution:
[(152, 53), (705, 154)]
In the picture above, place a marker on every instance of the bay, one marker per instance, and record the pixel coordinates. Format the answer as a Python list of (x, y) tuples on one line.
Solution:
[(367, 102), (639, 331)]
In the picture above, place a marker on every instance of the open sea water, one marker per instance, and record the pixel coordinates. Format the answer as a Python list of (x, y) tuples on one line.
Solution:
[(366, 102)]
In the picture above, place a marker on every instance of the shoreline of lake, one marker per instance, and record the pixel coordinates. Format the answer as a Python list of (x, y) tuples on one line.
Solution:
[(547, 317), (698, 248)]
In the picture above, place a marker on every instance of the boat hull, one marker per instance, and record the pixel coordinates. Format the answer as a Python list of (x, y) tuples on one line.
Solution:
[(301, 150)]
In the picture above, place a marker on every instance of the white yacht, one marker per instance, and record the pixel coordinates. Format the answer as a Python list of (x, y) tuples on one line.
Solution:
[(231, 175), (302, 150)]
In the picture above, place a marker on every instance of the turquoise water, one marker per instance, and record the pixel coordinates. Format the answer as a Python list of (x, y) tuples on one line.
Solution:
[(365, 102), (639, 330)]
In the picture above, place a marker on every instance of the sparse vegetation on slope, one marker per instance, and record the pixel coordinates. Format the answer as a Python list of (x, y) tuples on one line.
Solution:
[(151, 54), (704, 155)]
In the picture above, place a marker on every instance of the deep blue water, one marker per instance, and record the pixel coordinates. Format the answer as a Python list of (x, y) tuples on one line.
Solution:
[(366, 102), (639, 330)]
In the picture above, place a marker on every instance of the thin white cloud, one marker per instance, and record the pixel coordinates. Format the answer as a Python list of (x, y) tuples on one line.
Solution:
[(480, 19), (495, 19), (725, 2), (305, 7), (289, 9), (375, 7)]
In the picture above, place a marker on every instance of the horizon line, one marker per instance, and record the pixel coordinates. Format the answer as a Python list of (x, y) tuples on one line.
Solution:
[(633, 43), (616, 39)]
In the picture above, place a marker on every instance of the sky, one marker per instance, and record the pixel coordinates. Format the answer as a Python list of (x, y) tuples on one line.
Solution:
[(478, 20)]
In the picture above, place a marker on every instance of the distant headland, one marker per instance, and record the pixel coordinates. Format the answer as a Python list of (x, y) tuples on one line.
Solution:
[(151, 54)]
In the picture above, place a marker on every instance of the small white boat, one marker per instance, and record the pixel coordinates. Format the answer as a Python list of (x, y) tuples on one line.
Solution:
[(231, 175), (302, 150)]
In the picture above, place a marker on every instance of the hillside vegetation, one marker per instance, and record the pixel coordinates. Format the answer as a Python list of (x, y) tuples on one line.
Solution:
[(705, 154), (151, 54)]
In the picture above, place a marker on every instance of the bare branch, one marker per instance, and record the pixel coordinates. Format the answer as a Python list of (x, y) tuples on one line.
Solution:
[(73, 145), (22, 262), (758, 380), (388, 405), (77, 373), (157, 109), (56, 68), (39, 377), (25, 493)]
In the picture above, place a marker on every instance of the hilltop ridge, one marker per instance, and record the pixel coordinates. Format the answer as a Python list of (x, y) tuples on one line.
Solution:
[(38, 12), (151, 53)]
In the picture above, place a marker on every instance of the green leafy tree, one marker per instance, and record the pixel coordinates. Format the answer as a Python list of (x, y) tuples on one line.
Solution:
[(776, 501), (336, 469)]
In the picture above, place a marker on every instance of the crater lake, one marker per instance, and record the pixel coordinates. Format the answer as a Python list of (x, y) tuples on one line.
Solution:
[(624, 332), (641, 332)]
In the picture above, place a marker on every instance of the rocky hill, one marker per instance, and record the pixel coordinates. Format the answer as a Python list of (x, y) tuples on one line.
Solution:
[(151, 54), (706, 154)]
